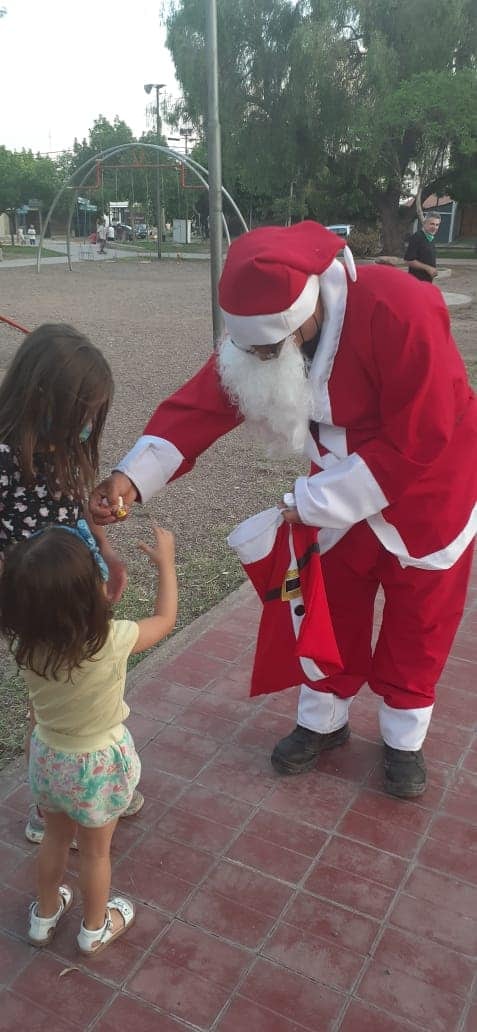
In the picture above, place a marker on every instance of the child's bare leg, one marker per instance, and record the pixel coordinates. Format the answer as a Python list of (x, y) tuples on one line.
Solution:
[(52, 858), (95, 874), (29, 731)]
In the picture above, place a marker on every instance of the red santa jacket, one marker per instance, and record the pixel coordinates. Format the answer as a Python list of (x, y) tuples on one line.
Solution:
[(395, 434)]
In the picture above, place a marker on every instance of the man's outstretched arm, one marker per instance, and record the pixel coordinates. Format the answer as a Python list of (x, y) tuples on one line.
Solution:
[(182, 427)]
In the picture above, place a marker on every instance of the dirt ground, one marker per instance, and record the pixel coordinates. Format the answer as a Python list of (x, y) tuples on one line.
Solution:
[(153, 323)]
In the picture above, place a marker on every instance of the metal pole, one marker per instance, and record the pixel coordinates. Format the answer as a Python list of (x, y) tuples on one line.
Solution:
[(186, 198), (215, 165), (158, 183)]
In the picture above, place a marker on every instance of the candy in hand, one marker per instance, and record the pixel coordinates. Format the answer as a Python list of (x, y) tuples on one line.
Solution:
[(122, 509)]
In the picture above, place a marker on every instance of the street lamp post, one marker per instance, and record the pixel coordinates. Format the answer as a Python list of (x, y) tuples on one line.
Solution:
[(215, 163), (186, 134), (157, 87)]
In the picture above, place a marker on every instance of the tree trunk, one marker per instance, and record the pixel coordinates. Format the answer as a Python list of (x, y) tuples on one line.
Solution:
[(11, 223), (395, 221), (419, 211)]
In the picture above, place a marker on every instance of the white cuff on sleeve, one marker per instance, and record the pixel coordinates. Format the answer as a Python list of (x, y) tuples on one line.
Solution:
[(339, 496), (150, 464)]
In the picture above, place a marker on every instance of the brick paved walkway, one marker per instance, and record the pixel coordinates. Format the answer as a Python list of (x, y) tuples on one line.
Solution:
[(264, 904)]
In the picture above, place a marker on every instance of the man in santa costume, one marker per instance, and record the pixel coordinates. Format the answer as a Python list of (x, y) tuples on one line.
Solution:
[(360, 374)]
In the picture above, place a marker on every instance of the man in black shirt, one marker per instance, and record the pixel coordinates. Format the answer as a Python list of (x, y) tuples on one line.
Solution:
[(421, 252)]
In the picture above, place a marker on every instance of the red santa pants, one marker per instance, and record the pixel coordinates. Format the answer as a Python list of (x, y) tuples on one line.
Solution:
[(422, 612)]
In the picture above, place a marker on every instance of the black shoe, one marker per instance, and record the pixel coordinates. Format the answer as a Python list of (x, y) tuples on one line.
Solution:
[(404, 772), (299, 751)]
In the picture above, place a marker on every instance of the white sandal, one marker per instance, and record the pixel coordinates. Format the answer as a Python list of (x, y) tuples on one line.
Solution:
[(93, 941), (42, 929)]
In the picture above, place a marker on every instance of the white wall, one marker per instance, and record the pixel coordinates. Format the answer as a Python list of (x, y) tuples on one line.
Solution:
[(4, 226)]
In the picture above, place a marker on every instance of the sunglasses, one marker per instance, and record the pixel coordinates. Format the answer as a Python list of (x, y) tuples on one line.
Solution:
[(265, 351)]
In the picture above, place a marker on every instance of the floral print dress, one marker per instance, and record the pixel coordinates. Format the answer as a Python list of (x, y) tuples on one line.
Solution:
[(26, 509)]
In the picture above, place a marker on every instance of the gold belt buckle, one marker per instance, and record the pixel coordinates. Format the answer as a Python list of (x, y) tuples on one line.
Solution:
[(291, 586)]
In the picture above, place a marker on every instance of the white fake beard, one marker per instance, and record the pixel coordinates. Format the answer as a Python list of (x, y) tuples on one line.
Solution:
[(274, 396)]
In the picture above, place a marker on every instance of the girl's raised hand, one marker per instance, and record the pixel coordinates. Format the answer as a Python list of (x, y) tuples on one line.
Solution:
[(154, 628), (162, 553)]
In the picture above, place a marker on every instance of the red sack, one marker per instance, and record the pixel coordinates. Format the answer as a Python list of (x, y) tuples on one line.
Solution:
[(296, 642)]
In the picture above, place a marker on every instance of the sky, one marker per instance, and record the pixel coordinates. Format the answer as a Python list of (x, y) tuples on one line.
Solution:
[(64, 63)]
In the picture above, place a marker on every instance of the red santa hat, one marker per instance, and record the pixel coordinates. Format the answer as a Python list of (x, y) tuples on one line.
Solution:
[(269, 285)]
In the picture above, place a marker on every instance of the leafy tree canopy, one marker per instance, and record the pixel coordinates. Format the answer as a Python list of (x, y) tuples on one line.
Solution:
[(24, 177), (332, 109), (130, 175)]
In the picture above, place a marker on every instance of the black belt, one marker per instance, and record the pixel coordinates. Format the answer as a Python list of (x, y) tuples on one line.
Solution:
[(290, 586)]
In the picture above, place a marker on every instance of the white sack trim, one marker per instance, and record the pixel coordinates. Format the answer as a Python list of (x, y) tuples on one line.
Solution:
[(255, 537)]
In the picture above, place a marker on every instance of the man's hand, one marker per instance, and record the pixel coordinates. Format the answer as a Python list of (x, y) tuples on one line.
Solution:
[(104, 501), (289, 515), (432, 271)]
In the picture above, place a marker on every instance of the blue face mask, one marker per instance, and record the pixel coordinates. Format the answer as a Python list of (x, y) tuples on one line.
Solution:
[(86, 432)]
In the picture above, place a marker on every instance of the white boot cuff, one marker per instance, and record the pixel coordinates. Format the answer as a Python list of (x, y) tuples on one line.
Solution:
[(404, 729), (321, 711)]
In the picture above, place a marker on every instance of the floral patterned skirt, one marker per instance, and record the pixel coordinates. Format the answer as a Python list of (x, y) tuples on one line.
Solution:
[(92, 788)]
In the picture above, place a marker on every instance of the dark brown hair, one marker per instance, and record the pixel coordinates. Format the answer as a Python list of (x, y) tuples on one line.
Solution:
[(56, 384), (53, 609)]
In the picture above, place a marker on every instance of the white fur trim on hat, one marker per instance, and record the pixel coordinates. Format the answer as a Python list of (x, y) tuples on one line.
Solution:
[(349, 263), (254, 330)]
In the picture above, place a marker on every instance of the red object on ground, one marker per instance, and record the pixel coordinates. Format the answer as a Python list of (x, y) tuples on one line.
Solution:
[(16, 326)]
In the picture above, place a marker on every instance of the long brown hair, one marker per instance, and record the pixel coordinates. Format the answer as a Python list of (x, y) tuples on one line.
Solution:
[(53, 609), (57, 383)]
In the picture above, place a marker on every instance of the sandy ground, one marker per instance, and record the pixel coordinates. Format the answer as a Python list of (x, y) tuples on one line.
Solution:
[(463, 279), (154, 326)]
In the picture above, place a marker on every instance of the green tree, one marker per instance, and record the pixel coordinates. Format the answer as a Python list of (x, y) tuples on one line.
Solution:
[(415, 99), (129, 175), (105, 183), (146, 180), (23, 177), (334, 109), (254, 37), (461, 179)]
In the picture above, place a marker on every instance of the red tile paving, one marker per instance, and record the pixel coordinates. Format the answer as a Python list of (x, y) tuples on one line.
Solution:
[(314, 904)]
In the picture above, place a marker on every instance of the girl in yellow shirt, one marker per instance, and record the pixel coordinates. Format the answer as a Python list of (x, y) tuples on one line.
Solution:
[(54, 400), (83, 766)]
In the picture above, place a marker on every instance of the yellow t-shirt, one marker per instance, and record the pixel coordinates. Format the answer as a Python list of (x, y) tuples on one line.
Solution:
[(84, 712)]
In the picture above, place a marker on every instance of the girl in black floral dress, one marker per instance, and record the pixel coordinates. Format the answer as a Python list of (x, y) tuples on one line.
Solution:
[(54, 400), (53, 404)]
